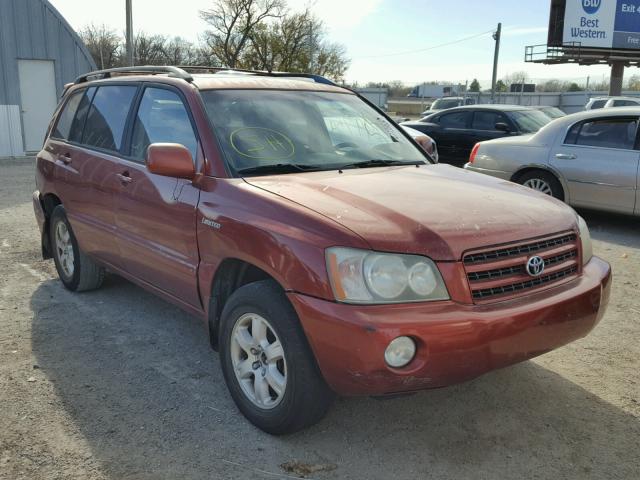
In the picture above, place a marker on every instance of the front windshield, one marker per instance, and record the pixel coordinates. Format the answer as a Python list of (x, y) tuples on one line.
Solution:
[(444, 103), (529, 121), (259, 130)]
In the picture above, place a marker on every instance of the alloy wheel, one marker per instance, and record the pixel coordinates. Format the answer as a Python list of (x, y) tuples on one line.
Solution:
[(258, 361), (64, 249), (539, 185)]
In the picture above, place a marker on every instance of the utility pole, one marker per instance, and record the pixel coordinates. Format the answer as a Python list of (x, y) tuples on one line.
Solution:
[(496, 36), (129, 33)]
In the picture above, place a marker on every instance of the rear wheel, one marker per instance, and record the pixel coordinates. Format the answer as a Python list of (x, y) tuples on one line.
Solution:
[(543, 182), (75, 269), (267, 363)]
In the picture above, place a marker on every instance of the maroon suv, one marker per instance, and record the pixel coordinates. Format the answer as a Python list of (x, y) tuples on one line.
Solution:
[(321, 246)]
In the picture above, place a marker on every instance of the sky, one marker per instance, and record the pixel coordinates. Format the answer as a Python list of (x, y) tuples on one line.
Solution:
[(385, 39)]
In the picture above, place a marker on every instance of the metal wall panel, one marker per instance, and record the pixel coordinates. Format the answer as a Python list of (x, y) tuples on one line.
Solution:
[(35, 30), (10, 131)]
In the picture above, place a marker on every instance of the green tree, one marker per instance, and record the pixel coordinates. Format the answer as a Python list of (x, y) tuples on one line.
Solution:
[(475, 86), (296, 42), (574, 87), (501, 86)]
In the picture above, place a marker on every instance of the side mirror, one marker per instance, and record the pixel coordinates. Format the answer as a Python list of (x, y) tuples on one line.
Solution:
[(170, 160), (502, 127)]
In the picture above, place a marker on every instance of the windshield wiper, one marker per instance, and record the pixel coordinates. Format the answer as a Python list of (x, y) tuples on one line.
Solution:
[(380, 163), (279, 168)]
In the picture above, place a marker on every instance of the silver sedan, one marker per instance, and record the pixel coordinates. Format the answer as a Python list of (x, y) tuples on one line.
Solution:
[(588, 159)]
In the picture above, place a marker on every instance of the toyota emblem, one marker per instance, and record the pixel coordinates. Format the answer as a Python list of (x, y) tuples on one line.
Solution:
[(535, 266)]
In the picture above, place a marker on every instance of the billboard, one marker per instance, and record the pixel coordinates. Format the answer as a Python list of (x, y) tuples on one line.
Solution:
[(602, 23)]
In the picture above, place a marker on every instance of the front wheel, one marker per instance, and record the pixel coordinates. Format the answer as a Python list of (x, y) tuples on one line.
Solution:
[(267, 363)]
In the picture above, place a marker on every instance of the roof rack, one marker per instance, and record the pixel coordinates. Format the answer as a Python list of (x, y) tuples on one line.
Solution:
[(263, 73), (182, 72), (174, 72)]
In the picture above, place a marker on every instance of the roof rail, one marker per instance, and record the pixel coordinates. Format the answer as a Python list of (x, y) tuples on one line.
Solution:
[(264, 73), (174, 72)]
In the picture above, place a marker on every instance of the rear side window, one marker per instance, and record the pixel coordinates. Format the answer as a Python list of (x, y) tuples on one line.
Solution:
[(107, 116), (454, 120), (625, 103), (162, 117), (72, 118), (598, 104), (63, 127), (605, 133), (487, 120)]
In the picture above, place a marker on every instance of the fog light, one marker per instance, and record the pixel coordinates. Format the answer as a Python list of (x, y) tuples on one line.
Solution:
[(400, 352)]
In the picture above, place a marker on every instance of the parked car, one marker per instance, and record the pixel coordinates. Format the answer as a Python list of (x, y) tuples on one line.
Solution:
[(611, 102), (425, 141), (596, 103), (322, 248), (457, 130), (551, 112), (445, 103), (588, 159)]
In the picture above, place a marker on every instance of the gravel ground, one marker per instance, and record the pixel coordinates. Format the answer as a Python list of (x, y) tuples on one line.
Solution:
[(116, 384)]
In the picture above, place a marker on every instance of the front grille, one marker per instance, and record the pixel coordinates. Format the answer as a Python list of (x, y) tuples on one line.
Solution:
[(518, 250), (501, 273), (516, 287)]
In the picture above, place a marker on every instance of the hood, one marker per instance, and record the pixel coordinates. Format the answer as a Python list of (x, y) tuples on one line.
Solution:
[(437, 210)]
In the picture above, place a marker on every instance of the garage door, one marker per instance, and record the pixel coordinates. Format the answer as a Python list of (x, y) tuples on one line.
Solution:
[(38, 97)]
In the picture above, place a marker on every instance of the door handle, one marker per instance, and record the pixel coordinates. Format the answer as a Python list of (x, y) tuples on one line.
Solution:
[(565, 156), (124, 178), (65, 158)]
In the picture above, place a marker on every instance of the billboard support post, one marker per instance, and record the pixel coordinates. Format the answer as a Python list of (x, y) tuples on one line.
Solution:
[(617, 75)]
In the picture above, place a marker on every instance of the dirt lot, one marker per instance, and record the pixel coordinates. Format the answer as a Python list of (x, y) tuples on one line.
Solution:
[(116, 384)]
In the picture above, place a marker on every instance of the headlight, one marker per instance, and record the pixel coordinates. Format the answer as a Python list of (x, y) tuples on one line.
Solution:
[(585, 238), (362, 276)]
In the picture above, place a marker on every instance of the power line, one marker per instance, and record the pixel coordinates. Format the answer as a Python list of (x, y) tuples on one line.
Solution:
[(428, 48)]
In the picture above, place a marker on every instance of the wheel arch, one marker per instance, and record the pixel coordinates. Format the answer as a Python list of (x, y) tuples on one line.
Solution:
[(231, 274), (49, 202), (546, 168)]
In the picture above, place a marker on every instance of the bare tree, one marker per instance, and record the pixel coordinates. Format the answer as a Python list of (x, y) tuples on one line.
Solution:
[(231, 23), (149, 49), (104, 44), (179, 51)]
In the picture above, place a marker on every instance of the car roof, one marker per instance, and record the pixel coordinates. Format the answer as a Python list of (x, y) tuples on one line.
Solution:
[(489, 106), (602, 112), (255, 82), (224, 80)]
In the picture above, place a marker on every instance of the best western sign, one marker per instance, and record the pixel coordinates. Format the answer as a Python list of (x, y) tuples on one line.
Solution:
[(602, 23)]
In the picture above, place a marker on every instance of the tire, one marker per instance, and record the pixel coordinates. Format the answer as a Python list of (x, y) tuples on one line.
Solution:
[(305, 397), (542, 181), (76, 270)]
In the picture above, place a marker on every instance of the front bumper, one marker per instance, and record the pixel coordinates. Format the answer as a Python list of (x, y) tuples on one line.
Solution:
[(456, 342)]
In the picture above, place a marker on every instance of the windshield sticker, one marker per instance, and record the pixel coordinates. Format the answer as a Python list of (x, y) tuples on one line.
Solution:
[(262, 143)]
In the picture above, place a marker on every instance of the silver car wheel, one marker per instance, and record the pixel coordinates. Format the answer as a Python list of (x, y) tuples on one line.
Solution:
[(258, 361), (64, 249), (539, 185)]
